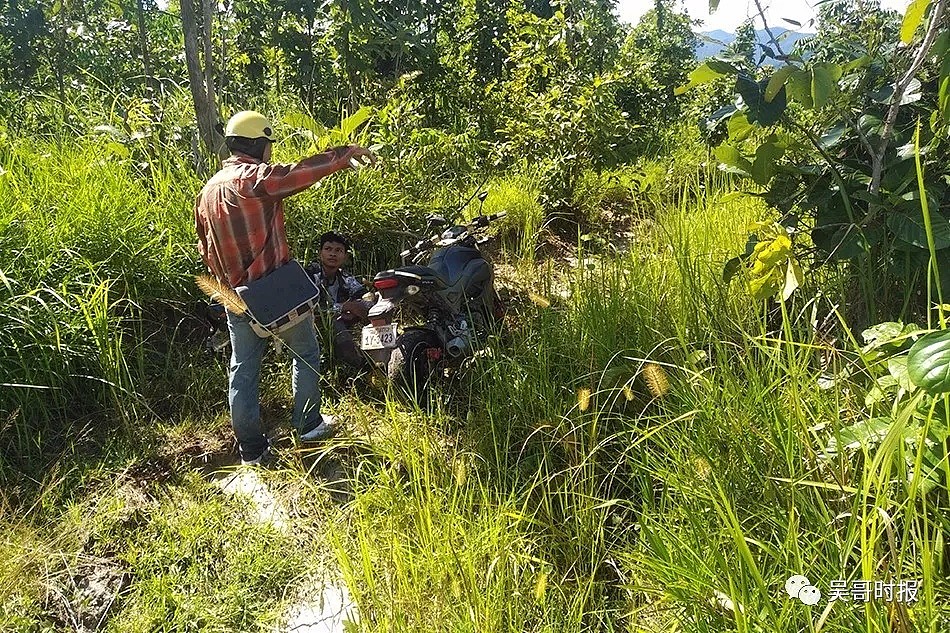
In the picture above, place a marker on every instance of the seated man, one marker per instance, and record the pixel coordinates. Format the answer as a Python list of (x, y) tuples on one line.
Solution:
[(342, 295)]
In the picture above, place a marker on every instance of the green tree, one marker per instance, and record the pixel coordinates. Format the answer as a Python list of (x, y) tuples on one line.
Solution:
[(654, 59), (23, 42), (832, 136)]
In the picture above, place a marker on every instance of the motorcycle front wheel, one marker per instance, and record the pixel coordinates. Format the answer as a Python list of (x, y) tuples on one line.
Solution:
[(410, 368)]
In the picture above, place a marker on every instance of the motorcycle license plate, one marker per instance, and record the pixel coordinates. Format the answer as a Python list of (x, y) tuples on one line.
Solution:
[(379, 337)]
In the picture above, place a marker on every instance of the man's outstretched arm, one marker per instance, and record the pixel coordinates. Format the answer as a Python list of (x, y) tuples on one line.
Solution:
[(280, 180)]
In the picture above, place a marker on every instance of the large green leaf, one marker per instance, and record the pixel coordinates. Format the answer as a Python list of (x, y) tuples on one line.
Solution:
[(822, 85), (733, 159), (885, 93), (833, 136), (870, 124), (834, 233), (897, 368), (943, 94), (305, 122), (887, 338), (702, 74), (777, 81), (765, 166), (880, 334), (352, 122), (910, 228), (730, 268), (845, 242), (854, 64), (862, 434), (798, 88), (722, 66), (834, 70), (748, 89), (912, 19), (739, 127), (941, 45), (753, 95), (928, 362)]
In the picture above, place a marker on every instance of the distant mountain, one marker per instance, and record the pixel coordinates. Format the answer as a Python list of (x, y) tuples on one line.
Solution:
[(713, 42)]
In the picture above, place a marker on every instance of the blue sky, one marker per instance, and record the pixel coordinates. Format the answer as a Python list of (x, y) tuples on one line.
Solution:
[(731, 13)]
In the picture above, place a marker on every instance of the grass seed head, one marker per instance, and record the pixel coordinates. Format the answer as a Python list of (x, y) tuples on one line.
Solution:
[(583, 399), (657, 382), (540, 587), (221, 293), (460, 472), (628, 393), (538, 300), (702, 467), (573, 450)]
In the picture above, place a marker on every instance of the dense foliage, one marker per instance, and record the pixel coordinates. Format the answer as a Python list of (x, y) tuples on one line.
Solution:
[(530, 78), (646, 446), (831, 131)]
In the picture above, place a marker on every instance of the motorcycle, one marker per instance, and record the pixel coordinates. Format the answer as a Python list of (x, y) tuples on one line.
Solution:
[(453, 296)]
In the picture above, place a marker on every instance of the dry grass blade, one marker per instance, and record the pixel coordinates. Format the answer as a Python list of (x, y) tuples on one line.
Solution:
[(221, 293)]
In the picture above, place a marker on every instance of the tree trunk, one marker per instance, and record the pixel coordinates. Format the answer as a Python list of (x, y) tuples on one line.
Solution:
[(143, 43), (222, 68), (60, 59), (206, 14), (900, 87), (205, 108), (346, 54)]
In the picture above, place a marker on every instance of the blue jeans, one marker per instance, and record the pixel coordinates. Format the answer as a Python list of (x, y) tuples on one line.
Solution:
[(247, 350)]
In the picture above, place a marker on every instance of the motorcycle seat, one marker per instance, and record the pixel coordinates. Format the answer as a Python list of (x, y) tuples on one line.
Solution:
[(425, 274)]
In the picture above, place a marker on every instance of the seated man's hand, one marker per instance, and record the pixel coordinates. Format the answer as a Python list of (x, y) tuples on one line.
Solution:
[(353, 311)]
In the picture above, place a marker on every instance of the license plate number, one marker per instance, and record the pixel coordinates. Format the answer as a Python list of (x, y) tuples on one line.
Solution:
[(379, 337)]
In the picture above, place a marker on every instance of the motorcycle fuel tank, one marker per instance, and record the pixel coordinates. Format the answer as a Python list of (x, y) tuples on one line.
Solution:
[(466, 272)]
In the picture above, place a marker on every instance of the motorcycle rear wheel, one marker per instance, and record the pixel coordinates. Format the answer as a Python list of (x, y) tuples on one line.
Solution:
[(409, 366)]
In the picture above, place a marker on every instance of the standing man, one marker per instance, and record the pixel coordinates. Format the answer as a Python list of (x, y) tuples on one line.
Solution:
[(341, 294), (239, 218)]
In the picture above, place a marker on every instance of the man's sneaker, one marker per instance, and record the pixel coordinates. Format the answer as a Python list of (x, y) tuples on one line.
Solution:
[(321, 432), (266, 458)]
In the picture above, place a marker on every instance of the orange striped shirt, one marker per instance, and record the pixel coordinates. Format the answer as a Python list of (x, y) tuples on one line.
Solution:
[(239, 214)]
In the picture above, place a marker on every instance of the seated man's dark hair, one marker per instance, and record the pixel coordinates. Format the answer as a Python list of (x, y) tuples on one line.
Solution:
[(331, 236), (251, 146)]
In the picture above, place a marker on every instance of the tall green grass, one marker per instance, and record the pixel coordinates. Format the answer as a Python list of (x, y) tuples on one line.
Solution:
[(650, 511), (557, 488)]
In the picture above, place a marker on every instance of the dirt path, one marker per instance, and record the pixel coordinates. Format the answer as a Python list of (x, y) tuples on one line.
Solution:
[(321, 606)]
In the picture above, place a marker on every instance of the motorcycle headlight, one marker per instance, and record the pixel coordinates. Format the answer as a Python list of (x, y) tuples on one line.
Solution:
[(411, 290)]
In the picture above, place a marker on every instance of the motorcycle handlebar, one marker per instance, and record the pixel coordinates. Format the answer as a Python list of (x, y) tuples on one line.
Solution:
[(485, 220), (419, 246), (478, 222)]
